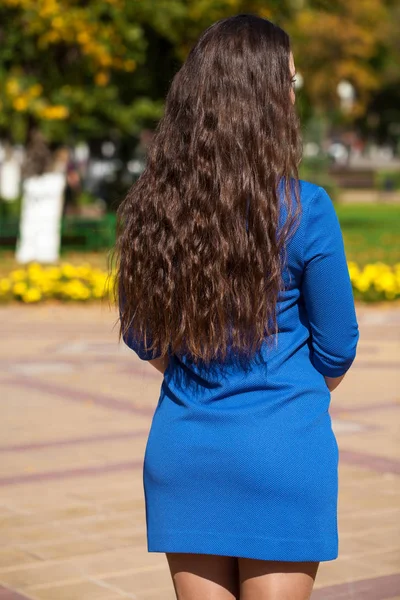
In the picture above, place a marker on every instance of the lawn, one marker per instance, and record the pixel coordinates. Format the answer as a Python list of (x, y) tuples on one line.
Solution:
[(371, 233)]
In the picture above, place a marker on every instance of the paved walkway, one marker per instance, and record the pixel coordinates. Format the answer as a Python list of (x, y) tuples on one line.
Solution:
[(75, 413)]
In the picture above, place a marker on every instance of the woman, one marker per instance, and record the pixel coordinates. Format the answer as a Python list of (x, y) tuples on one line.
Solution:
[(233, 283)]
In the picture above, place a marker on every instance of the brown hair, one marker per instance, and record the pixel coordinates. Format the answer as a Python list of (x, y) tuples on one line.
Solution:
[(191, 277)]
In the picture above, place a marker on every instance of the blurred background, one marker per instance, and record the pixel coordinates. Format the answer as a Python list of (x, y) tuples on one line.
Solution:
[(82, 88)]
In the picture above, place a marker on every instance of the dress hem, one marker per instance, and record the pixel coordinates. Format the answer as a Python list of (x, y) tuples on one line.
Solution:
[(261, 548)]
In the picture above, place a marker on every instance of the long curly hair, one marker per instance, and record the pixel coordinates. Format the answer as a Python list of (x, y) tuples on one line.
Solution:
[(200, 251)]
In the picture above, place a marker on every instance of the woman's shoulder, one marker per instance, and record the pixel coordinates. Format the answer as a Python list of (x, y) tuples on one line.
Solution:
[(313, 199), (310, 192), (319, 225), (316, 203), (317, 210)]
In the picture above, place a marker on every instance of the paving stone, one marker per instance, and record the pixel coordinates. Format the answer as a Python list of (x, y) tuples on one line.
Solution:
[(86, 590), (79, 408), (41, 573), (138, 581), (13, 556)]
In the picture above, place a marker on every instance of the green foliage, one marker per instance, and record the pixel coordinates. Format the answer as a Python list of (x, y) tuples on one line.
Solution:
[(102, 67), (387, 180), (85, 198), (67, 68), (10, 209)]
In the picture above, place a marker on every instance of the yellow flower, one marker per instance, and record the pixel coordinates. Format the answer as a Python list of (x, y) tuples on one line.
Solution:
[(53, 113), (84, 271), (12, 87), (18, 275), (129, 65), (68, 270), (99, 290), (265, 12), (20, 104), (118, 62), (20, 288), (362, 283), (45, 286), (53, 273), (102, 78), (57, 22), (104, 59), (354, 271), (32, 295), (387, 282), (35, 268), (35, 90), (5, 285), (83, 37), (49, 37), (75, 290)]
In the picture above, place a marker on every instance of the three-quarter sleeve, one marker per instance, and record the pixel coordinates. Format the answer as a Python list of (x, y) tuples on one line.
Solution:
[(134, 342), (327, 290)]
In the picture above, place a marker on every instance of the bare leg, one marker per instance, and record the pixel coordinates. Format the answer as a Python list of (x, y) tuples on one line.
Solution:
[(276, 580), (204, 576)]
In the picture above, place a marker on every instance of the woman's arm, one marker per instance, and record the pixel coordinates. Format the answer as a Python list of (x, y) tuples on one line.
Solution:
[(327, 291), (138, 345), (333, 382)]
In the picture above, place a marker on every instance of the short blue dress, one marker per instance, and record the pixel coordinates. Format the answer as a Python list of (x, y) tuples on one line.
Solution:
[(245, 462)]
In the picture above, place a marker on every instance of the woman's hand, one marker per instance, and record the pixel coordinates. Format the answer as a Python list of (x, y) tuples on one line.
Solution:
[(160, 364), (333, 382)]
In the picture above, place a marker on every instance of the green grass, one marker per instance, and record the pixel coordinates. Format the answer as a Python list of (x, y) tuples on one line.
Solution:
[(371, 232)]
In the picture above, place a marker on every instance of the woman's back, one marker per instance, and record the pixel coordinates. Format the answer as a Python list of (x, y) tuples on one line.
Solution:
[(229, 447), (318, 331), (241, 459)]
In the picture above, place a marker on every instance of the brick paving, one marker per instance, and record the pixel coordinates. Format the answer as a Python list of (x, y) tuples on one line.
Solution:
[(76, 411)]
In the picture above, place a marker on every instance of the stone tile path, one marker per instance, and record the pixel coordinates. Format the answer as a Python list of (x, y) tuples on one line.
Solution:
[(75, 413)]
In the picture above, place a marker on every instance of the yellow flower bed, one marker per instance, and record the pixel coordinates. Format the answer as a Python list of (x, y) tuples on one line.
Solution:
[(375, 281), (66, 282), (35, 283)]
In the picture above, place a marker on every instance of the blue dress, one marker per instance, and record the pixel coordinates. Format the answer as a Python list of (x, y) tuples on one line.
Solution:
[(246, 463)]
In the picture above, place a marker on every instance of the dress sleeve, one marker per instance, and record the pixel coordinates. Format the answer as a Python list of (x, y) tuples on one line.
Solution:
[(133, 342), (327, 290)]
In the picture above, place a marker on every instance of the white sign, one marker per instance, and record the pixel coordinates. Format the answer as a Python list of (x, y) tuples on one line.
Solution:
[(41, 211), (10, 178)]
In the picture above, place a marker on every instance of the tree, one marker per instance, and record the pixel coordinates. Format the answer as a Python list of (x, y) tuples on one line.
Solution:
[(102, 67), (336, 41), (65, 67), (80, 69)]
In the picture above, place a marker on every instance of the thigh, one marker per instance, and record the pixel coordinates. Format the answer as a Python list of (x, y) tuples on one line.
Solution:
[(276, 580), (200, 576)]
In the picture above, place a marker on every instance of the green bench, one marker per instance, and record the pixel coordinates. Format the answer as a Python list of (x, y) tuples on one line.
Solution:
[(77, 233)]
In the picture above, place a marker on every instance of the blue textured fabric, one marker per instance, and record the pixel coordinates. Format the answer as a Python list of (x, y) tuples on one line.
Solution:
[(246, 463)]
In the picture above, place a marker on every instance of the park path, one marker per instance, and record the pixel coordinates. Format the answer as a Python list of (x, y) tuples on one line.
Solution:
[(75, 412)]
